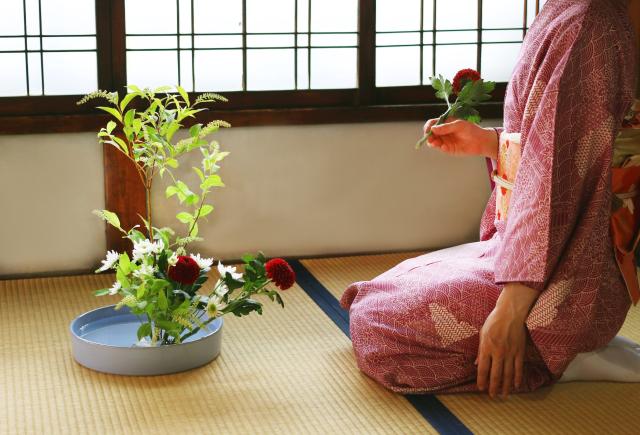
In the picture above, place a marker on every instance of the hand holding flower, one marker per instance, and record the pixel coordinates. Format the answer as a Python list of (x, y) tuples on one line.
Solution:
[(470, 90)]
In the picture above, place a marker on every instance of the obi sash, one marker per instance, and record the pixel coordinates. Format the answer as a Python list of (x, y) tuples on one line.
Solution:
[(625, 186)]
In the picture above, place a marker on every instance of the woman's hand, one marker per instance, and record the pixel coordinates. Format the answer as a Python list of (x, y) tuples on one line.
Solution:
[(503, 339), (460, 138)]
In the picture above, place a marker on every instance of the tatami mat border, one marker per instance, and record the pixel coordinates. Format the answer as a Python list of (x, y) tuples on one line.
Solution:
[(428, 405)]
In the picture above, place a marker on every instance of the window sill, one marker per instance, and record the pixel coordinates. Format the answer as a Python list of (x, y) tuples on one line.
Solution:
[(36, 124)]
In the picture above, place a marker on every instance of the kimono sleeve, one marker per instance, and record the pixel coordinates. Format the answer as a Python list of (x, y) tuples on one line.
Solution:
[(568, 129)]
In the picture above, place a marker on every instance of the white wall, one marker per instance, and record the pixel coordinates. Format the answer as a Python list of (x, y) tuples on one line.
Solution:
[(291, 191)]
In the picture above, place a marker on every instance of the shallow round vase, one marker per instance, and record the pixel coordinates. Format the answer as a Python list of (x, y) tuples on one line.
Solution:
[(105, 340)]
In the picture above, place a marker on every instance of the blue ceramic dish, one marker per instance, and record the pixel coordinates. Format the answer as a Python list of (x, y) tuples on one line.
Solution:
[(104, 340)]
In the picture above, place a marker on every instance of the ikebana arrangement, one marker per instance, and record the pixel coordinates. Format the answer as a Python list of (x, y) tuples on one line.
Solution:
[(161, 282), (470, 90)]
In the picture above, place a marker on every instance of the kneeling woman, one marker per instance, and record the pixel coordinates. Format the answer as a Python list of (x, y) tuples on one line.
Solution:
[(511, 312)]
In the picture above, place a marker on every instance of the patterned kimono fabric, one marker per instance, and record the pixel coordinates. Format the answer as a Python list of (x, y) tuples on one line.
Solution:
[(415, 327)]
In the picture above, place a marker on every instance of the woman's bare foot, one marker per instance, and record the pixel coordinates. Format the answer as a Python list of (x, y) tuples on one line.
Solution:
[(619, 361)]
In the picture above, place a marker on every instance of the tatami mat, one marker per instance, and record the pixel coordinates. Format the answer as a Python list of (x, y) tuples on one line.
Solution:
[(288, 371), (576, 408)]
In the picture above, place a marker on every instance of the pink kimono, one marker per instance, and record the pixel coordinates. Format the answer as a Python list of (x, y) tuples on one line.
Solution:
[(415, 327)]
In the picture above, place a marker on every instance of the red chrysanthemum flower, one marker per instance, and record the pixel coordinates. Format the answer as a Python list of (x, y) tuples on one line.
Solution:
[(462, 77), (281, 273), (186, 270)]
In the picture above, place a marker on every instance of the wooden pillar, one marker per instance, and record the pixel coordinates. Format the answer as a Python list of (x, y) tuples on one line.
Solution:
[(124, 195)]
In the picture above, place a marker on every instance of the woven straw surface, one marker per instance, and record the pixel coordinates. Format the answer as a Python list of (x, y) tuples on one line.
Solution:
[(575, 408), (288, 371)]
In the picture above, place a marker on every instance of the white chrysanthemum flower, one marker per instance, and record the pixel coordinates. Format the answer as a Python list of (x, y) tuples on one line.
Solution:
[(222, 269), (203, 263), (115, 288), (144, 271), (221, 289), (173, 260), (158, 247), (213, 307), (146, 247), (112, 257)]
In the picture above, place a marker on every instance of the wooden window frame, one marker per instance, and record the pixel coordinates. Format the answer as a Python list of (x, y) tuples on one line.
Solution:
[(367, 103)]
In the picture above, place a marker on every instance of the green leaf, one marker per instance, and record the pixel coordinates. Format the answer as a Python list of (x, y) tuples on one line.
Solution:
[(184, 217), (173, 163), (212, 181), (125, 263), (110, 126), (126, 100), (194, 131), (171, 130), (142, 290), (113, 112), (183, 94), (205, 210), (135, 235), (121, 144), (199, 172), (163, 304), (122, 278), (102, 292), (192, 199), (110, 217), (128, 117), (144, 330), (171, 190)]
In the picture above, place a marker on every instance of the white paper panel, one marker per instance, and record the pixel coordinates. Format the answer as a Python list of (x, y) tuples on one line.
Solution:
[(498, 61), (497, 14), (185, 16), (452, 58), (456, 37), (218, 16), (35, 74), (150, 16), (397, 66), (152, 69), (457, 14), (501, 35), (303, 69), (69, 43), (341, 40), (334, 16), (303, 15), (68, 17), (334, 68), (11, 44), (218, 71), (397, 15), (70, 73), (11, 18), (270, 16), (270, 70), (218, 41), (13, 81), (186, 70), (383, 39), (142, 42), (427, 65), (270, 41)]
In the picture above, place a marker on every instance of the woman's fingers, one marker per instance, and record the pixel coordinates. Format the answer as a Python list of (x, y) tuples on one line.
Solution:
[(484, 366), (507, 377), (519, 368), (427, 126), (448, 128), (497, 362)]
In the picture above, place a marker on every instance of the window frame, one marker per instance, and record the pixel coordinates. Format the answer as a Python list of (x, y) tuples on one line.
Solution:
[(367, 103)]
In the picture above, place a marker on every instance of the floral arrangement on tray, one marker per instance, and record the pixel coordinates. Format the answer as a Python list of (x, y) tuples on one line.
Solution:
[(470, 90), (161, 282)]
